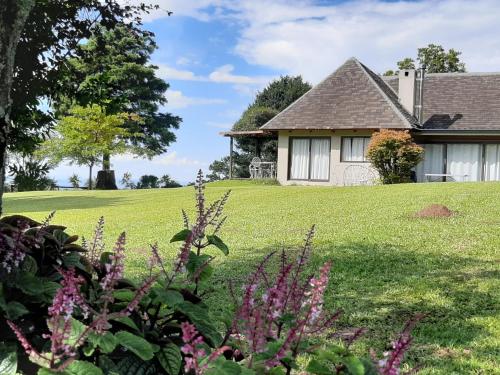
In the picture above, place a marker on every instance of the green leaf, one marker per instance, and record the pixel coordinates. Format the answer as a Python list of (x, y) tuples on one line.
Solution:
[(170, 358), (181, 236), (14, 310), (318, 368), (107, 342), (83, 368), (171, 298), (8, 360), (60, 236), (218, 243), (224, 367), (29, 284), (126, 321), (195, 262), (73, 260), (200, 318), (132, 365), (135, 344), (29, 265), (124, 295), (354, 365)]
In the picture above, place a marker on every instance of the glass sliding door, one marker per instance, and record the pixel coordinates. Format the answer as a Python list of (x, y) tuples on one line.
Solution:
[(433, 162), (320, 159), (310, 159), (299, 169), (464, 161), (492, 163)]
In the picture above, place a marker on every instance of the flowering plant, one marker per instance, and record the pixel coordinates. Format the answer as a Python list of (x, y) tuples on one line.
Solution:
[(99, 322)]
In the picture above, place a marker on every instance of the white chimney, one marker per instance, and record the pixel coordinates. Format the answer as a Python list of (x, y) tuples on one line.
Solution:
[(407, 89)]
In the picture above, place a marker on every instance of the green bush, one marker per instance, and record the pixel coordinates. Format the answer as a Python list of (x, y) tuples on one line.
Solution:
[(394, 154)]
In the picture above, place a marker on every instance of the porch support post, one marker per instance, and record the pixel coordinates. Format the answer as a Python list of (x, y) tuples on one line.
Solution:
[(257, 147), (230, 158)]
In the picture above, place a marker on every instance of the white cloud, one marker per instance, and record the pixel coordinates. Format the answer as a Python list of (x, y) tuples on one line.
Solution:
[(169, 73), (311, 39), (224, 74), (176, 99), (172, 159)]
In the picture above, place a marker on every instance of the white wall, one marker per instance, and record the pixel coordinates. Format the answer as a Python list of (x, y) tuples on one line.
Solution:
[(337, 167)]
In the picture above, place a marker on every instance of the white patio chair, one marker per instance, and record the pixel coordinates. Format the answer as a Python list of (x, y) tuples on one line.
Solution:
[(358, 175), (255, 169)]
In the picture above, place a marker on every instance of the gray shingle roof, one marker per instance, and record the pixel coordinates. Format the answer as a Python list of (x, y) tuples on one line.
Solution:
[(459, 101), (353, 97)]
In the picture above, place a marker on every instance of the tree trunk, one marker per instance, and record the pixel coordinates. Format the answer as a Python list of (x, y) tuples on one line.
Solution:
[(90, 176), (106, 179), (106, 162), (13, 15)]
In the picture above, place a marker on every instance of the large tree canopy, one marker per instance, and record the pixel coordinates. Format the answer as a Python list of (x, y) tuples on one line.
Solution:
[(36, 36), (112, 69), (436, 60)]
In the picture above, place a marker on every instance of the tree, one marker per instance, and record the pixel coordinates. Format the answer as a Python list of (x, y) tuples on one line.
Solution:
[(278, 95), (394, 154), (30, 173), (148, 181), (74, 180), (252, 119), (219, 169), (282, 92), (435, 59), (13, 16), (85, 135), (127, 180), (36, 36), (167, 182), (112, 70)]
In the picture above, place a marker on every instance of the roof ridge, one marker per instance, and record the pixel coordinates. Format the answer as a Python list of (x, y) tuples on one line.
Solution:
[(308, 91), (399, 111)]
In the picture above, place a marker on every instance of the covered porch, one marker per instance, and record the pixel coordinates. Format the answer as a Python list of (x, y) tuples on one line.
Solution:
[(258, 168)]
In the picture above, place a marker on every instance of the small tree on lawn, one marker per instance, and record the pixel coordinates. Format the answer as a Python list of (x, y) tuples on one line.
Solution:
[(393, 154), (86, 135)]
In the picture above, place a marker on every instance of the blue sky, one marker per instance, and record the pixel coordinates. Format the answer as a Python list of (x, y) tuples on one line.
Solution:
[(216, 54)]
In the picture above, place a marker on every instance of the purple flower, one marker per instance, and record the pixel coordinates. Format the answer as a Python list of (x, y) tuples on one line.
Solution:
[(115, 269)]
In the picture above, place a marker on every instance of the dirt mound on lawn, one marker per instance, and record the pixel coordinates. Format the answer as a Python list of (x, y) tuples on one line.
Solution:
[(435, 210)]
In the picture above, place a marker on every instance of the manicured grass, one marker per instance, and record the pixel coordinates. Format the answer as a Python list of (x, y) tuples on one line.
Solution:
[(388, 265)]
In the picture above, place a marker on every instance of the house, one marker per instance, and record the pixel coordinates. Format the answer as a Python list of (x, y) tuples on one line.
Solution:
[(323, 136)]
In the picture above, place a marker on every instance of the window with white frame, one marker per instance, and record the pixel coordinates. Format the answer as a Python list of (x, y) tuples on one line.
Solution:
[(353, 149), (310, 159)]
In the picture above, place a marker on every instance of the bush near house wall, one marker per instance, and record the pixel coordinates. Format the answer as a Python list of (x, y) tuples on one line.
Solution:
[(394, 154)]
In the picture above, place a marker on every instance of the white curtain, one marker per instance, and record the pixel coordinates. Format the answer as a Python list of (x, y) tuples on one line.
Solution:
[(320, 159), (354, 149), (433, 162), (464, 161), (299, 169), (492, 163)]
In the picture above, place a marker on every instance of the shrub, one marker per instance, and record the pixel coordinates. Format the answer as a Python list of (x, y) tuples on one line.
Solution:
[(30, 174), (394, 154), (101, 323), (74, 180)]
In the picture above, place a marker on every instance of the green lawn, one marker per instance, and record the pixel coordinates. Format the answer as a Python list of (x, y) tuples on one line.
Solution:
[(388, 265)]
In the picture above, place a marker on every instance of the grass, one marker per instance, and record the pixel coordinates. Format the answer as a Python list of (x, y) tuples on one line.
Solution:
[(388, 265)]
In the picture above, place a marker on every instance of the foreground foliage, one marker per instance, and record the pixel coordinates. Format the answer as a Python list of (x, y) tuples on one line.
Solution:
[(99, 322)]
